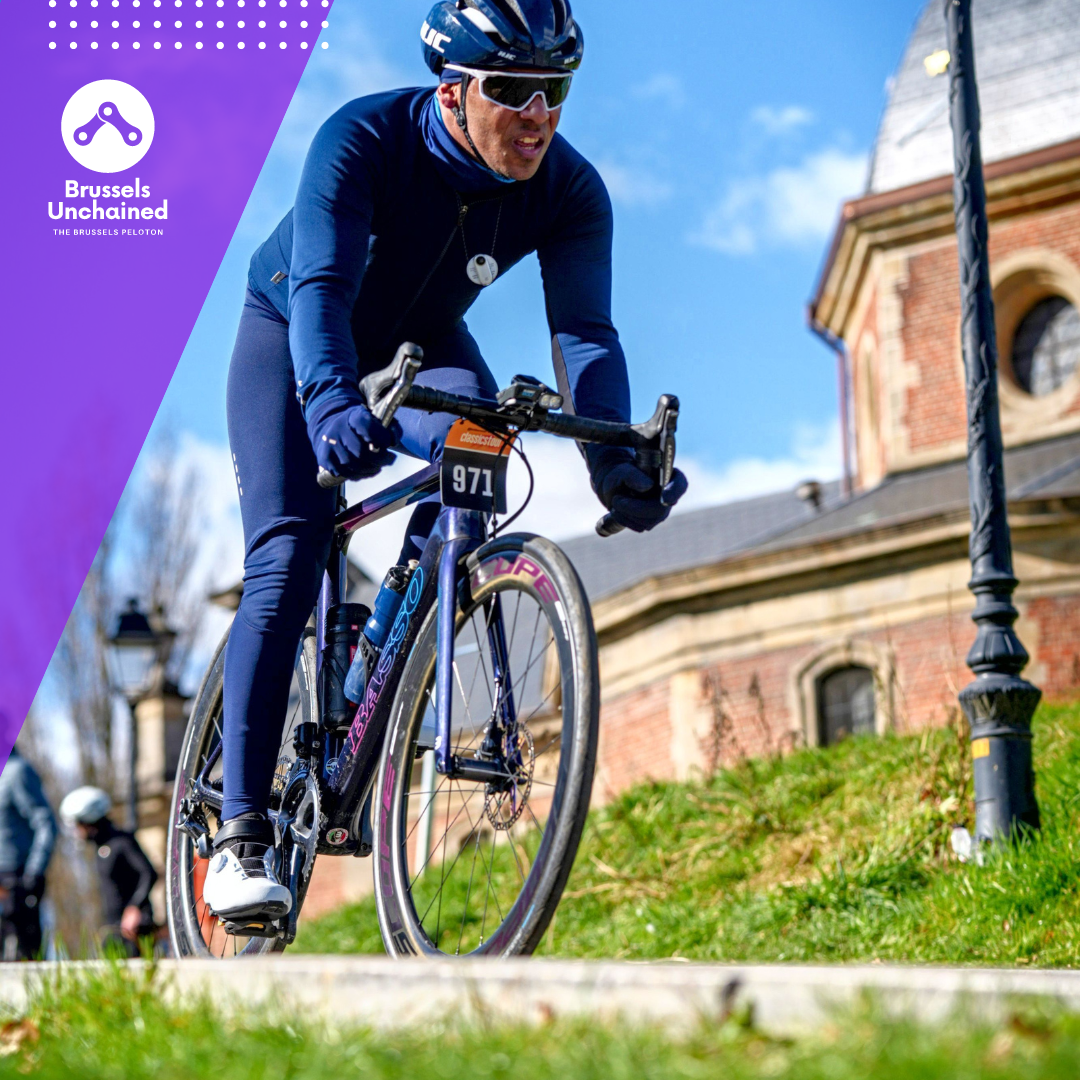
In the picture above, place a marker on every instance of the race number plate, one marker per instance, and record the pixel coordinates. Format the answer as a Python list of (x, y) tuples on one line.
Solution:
[(473, 474)]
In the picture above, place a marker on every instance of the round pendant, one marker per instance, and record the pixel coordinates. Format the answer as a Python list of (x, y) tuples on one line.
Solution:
[(482, 270)]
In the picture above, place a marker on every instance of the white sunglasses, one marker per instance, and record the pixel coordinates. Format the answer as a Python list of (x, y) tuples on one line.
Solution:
[(515, 90)]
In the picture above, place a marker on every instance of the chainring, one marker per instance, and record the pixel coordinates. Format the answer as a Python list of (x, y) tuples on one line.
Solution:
[(302, 823)]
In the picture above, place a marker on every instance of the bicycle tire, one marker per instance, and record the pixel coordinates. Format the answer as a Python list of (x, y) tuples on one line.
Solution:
[(531, 567), (193, 932)]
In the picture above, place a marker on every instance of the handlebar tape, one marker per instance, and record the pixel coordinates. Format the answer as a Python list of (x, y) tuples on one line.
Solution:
[(327, 479), (608, 526)]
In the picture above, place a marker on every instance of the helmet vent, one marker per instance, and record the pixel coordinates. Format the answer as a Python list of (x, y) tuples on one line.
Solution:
[(483, 23), (513, 10), (562, 17)]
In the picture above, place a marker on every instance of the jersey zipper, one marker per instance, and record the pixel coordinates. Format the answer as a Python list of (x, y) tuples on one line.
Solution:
[(463, 209)]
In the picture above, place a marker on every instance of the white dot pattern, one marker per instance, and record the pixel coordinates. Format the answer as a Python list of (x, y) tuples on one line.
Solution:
[(235, 33)]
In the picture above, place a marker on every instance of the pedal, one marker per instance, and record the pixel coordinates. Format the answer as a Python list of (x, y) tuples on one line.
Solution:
[(252, 929)]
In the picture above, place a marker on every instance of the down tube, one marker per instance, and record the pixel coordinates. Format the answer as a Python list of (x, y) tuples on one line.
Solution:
[(350, 774)]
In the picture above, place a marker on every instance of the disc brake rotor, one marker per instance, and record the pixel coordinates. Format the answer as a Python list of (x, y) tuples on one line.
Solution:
[(503, 808)]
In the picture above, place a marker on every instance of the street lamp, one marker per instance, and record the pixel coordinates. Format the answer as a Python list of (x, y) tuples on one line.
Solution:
[(998, 703), (138, 651)]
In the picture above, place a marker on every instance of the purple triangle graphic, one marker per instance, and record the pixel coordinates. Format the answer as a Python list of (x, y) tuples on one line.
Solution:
[(95, 322)]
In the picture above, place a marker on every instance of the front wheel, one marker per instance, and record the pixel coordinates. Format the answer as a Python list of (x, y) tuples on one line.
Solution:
[(467, 867)]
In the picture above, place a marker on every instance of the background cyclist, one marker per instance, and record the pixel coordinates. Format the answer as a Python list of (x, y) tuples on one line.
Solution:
[(410, 202), (125, 874)]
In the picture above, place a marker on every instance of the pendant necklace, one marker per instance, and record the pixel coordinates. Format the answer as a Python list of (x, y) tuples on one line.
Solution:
[(482, 269)]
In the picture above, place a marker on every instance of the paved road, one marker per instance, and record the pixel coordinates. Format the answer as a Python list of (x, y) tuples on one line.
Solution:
[(784, 999)]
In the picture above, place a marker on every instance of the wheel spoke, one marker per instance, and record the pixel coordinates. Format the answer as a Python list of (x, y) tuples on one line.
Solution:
[(436, 847), (488, 890), (465, 699), (540, 656), (468, 893), (513, 625), (534, 817), (446, 873), (550, 694)]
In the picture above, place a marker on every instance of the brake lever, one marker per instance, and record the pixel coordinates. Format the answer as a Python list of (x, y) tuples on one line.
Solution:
[(383, 403)]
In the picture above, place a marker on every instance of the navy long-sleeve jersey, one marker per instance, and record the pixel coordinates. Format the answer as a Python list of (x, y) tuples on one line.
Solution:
[(374, 252)]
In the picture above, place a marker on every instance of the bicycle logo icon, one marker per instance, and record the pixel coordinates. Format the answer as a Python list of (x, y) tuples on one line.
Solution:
[(107, 126)]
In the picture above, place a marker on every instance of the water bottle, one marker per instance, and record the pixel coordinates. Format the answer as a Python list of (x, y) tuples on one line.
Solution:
[(377, 630), (344, 625), (387, 604)]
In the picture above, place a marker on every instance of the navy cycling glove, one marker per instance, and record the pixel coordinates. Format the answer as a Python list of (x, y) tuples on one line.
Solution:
[(351, 443), (628, 492)]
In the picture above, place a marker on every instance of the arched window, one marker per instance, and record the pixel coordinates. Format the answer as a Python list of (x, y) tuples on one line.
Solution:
[(845, 704), (1046, 346)]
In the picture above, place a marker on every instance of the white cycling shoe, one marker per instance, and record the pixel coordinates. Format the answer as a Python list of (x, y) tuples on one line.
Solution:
[(240, 881)]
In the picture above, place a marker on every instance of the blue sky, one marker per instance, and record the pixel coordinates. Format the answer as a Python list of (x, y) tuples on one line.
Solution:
[(727, 135)]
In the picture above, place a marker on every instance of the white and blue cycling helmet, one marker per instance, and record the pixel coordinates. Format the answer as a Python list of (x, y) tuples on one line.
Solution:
[(496, 34), (84, 806)]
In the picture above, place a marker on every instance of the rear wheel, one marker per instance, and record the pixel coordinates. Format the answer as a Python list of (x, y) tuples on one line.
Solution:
[(468, 867), (193, 929)]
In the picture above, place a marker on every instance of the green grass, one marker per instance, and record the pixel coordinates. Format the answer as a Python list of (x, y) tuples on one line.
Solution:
[(823, 855), (116, 1026)]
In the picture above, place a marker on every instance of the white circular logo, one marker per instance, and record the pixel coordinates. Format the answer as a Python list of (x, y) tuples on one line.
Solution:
[(107, 126)]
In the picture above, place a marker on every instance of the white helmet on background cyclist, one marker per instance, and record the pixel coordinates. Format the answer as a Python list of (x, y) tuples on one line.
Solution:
[(85, 806)]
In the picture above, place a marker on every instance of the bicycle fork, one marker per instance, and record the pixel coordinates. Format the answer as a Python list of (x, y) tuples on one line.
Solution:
[(462, 530)]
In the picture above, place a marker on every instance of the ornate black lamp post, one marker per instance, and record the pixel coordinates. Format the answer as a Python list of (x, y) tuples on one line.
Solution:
[(998, 703), (139, 652)]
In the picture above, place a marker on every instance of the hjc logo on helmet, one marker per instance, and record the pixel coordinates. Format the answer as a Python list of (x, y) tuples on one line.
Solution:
[(433, 38)]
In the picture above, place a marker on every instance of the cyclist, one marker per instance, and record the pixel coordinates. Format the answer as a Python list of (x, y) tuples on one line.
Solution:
[(27, 837), (125, 874), (410, 202)]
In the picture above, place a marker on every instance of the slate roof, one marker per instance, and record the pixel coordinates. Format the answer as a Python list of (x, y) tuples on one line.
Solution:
[(1048, 469), (689, 539), (1027, 59)]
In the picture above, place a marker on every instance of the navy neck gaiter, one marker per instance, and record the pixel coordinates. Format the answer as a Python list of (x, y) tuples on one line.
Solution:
[(459, 169)]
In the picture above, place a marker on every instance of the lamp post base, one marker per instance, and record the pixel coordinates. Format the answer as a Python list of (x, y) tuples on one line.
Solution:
[(999, 708)]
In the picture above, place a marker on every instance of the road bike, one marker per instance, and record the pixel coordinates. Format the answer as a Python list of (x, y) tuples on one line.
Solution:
[(466, 770)]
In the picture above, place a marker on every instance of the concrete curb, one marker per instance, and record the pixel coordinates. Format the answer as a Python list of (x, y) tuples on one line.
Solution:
[(379, 992)]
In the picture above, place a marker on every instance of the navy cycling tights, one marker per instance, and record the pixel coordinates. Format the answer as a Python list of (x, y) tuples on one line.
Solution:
[(288, 523)]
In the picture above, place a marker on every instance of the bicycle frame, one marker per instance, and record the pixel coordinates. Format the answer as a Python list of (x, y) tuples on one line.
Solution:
[(350, 762)]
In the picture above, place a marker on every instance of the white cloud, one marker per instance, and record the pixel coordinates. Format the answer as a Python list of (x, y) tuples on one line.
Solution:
[(663, 86), (790, 206), (814, 454), (631, 185), (775, 121)]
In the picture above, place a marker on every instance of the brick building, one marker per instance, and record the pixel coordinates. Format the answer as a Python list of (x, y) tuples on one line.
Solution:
[(794, 618), (776, 622)]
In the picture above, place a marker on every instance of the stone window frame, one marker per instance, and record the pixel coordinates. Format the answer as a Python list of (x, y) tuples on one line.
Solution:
[(841, 654), (1019, 282)]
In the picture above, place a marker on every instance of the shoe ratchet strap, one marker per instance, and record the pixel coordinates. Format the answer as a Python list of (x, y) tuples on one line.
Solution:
[(245, 831)]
